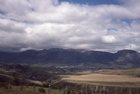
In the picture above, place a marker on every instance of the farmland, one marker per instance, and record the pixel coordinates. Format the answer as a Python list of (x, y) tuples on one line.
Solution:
[(104, 79), (129, 78), (24, 79), (107, 81)]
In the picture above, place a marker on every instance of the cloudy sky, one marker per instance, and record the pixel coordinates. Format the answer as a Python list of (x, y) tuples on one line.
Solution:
[(104, 25)]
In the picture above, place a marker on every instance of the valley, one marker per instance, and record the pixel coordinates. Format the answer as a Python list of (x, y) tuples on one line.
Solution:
[(23, 79), (105, 79)]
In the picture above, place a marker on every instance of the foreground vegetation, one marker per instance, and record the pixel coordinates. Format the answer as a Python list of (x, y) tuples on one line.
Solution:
[(24, 79), (29, 90), (70, 89)]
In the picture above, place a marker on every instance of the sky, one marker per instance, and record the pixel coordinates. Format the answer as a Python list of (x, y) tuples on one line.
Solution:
[(103, 25)]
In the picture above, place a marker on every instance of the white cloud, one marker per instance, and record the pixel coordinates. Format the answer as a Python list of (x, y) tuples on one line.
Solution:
[(109, 39), (43, 24)]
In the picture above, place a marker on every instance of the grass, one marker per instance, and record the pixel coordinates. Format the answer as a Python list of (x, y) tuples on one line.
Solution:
[(27, 90), (125, 77), (131, 72), (107, 84)]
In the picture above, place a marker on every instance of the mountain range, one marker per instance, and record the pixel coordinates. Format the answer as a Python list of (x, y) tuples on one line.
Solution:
[(72, 57)]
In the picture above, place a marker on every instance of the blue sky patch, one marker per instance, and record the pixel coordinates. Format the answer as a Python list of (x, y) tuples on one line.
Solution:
[(93, 2)]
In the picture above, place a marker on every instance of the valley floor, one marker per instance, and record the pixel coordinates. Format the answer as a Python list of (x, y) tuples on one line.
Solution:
[(104, 79)]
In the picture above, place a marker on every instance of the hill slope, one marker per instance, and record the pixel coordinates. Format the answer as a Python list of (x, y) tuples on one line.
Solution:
[(71, 57)]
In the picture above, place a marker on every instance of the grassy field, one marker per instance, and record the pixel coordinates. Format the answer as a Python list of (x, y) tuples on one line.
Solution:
[(87, 82), (130, 72), (128, 78), (28, 90)]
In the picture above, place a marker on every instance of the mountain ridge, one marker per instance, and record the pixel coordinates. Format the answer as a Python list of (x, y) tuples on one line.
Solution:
[(73, 57)]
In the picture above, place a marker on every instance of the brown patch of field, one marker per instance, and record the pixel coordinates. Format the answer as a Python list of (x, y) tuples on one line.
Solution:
[(103, 78)]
